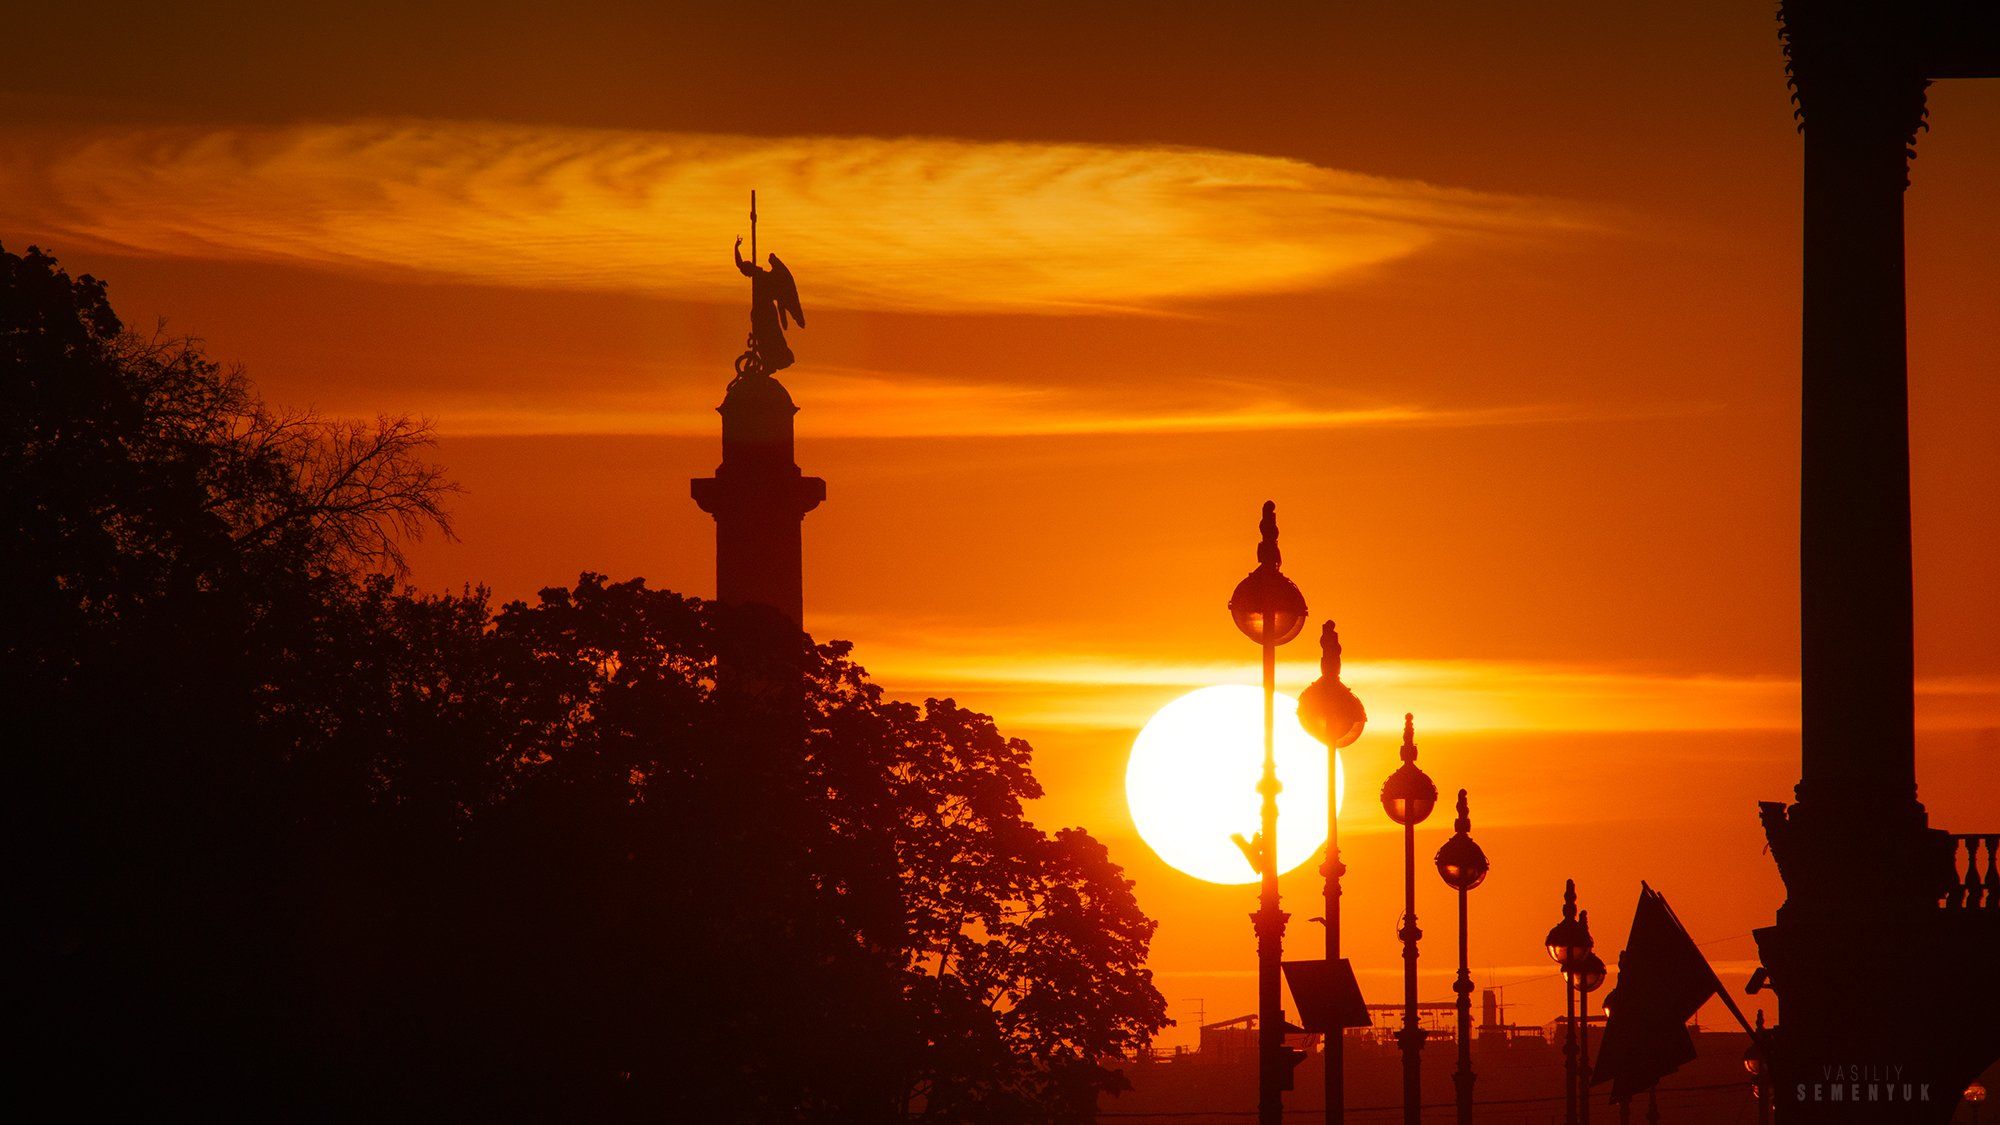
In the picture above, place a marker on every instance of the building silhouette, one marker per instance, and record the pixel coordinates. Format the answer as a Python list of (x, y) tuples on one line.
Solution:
[(1886, 953), (1520, 1068)]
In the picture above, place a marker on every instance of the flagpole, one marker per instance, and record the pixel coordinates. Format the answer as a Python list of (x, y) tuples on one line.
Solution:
[(1731, 1005)]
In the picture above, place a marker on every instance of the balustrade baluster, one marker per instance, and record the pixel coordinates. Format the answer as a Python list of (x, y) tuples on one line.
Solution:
[(1977, 886), (1989, 898)]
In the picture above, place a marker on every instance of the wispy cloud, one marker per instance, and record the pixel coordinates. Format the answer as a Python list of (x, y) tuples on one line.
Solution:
[(1111, 691), (852, 403), (878, 223)]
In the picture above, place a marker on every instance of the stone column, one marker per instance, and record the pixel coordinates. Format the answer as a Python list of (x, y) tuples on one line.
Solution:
[(759, 499)]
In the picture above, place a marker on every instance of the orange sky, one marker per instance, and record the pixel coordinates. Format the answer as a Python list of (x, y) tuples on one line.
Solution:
[(1498, 302)]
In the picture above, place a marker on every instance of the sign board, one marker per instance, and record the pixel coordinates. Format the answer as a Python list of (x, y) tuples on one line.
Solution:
[(1326, 994)]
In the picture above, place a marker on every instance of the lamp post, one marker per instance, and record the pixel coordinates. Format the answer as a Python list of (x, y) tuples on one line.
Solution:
[(1589, 977), (1330, 712), (1269, 610), (1408, 797), (1462, 864), (1974, 1095), (1568, 943), (1753, 1061)]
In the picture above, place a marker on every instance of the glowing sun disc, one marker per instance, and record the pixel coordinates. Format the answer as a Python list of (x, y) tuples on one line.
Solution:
[(1192, 782)]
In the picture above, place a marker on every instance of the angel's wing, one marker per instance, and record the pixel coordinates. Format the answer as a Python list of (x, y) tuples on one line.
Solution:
[(788, 291)]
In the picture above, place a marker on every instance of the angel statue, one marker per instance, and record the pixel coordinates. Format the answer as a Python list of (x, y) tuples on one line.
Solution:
[(774, 304)]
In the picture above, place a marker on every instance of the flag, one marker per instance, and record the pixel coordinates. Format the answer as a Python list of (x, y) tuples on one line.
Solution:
[(1663, 980)]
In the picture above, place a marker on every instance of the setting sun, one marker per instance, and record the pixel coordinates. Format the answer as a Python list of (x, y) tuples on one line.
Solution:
[(1192, 782)]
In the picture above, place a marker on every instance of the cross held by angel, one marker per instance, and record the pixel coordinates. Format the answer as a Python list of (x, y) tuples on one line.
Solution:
[(774, 306)]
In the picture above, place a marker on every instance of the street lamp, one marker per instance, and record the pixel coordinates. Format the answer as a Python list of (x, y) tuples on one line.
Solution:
[(1330, 712), (1568, 944), (1753, 1061), (1589, 978), (1974, 1094), (1408, 797), (1462, 864), (1269, 610)]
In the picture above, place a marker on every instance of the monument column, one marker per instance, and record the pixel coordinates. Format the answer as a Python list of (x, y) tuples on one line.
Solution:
[(1861, 107), (759, 499), (758, 496), (1883, 988)]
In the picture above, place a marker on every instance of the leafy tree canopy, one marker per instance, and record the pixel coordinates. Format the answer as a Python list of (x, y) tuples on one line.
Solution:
[(307, 841)]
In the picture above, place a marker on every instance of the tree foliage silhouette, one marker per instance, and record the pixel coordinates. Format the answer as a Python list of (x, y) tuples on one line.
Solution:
[(307, 843), (172, 552)]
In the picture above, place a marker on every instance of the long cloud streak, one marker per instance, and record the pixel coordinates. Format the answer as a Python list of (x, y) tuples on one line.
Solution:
[(869, 223), (1078, 690), (854, 403)]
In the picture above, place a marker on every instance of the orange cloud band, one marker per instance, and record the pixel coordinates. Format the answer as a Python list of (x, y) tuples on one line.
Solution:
[(918, 224), (1106, 691), (848, 402)]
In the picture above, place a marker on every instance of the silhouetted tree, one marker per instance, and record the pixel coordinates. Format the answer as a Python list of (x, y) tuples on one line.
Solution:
[(726, 927), (169, 547), (301, 844)]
